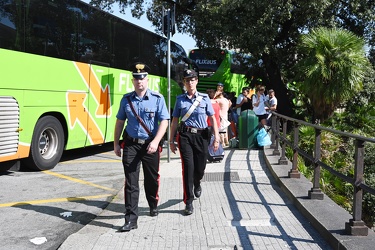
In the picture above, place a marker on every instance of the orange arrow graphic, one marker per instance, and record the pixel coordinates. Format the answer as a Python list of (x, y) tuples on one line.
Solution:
[(101, 96), (78, 114)]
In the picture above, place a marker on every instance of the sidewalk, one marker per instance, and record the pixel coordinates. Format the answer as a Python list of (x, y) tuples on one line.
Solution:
[(241, 207)]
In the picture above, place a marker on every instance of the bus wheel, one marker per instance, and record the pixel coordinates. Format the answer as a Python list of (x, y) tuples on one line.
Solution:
[(47, 144)]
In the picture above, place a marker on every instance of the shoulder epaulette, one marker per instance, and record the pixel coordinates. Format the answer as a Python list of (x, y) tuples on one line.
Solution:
[(129, 94), (180, 96), (154, 93), (202, 94)]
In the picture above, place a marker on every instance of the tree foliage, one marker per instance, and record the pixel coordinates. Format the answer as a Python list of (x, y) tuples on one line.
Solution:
[(268, 29), (333, 68), (358, 113)]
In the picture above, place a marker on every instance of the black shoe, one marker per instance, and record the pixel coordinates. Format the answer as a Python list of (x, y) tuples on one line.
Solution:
[(189, 209), (198, 191), (128, 226), (154, 212)]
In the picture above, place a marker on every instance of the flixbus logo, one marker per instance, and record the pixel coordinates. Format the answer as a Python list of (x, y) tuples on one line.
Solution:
[(206, 62)]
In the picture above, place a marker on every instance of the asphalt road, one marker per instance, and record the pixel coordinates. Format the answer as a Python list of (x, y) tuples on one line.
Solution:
[(39, 210)]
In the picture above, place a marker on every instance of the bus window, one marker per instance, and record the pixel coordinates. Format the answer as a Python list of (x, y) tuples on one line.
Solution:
[(71, 103), (8, 28)]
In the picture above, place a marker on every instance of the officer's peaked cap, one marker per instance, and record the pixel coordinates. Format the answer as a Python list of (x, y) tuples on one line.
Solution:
[(140, 70), (190, 73)]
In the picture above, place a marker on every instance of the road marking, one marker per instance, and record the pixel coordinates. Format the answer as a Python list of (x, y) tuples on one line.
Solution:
[(87, 161), (24, 203), (78, 180)]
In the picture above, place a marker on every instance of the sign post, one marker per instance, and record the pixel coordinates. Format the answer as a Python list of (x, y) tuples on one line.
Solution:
[(168, 30)]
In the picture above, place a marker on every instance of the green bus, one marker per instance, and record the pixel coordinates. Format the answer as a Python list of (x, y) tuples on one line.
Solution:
[(219, 65), (64, 67)]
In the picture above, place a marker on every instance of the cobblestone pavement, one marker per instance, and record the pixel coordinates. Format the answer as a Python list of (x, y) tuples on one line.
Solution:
[(241, 207)]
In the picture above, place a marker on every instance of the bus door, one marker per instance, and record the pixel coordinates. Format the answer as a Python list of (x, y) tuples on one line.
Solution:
[(98, 103)]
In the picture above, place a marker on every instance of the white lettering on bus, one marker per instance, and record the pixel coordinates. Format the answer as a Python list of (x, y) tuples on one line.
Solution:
[(154, 84), (124, 80), (199, 61), (126, 86)]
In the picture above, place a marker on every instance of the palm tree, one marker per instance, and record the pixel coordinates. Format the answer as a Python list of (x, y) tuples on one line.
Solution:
[(332, 69)]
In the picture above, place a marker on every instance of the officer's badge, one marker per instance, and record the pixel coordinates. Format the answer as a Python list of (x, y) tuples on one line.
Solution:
[(190, 73), (140, 67)]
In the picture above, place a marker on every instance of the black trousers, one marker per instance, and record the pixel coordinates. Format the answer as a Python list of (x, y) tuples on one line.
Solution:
[(133, 155), (193, 152)]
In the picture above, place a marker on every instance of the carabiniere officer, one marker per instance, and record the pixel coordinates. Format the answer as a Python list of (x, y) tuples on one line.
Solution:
[(193, 136), (140, 143)]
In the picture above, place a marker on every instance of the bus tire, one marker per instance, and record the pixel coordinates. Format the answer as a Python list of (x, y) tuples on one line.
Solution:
[(47, 144)]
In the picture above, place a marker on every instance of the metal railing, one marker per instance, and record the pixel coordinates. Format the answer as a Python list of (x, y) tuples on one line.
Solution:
[(355, 226)]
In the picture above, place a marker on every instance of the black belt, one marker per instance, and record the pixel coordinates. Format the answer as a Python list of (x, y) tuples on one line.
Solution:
[(138, 141), (193, 130)]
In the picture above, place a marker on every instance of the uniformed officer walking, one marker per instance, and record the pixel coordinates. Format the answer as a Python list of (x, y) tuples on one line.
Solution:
[(144, 110), (193, 136)]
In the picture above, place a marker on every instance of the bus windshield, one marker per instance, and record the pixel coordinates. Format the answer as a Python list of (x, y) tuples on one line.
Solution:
[(207, 61), (219, 65)]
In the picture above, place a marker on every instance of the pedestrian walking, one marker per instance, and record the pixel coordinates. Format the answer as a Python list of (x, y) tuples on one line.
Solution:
[(193, 136), (215, 106), (224, 104), (147, 120)]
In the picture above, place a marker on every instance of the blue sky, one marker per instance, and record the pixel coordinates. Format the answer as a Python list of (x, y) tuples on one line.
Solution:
[(184, 40)]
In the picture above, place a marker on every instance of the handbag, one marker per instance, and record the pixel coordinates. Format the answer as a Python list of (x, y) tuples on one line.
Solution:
[(224, 123), (161, 143), (233, 143), (263, 138)]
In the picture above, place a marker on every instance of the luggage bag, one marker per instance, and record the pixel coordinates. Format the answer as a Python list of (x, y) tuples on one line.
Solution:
[(216, 156)]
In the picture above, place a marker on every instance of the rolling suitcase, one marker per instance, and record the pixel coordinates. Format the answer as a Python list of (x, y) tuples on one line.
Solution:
[(217, 156)]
